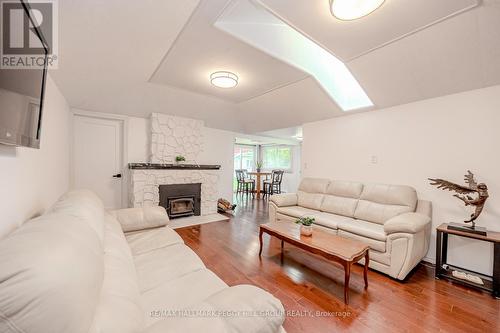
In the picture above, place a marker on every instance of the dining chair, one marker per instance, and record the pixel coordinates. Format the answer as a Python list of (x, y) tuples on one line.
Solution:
[(273, 185), (244, 184)]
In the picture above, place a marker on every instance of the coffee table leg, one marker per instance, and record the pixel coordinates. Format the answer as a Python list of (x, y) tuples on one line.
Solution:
[(365, 273), (282, 245), (260, 241), (347, 269)]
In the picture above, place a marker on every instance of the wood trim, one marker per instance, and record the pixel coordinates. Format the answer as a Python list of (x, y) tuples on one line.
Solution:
[(492, 236)]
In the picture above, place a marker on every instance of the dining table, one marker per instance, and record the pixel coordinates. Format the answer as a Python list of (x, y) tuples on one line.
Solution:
[(258, 175)]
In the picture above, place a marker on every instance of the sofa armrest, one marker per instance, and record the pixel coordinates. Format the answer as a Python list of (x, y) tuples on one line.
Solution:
[(410, 223), (284, 199), (424, 207), (133, 219), (242, 308)]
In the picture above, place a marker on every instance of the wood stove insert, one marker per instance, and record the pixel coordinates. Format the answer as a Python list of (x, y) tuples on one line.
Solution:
[(181, 200)]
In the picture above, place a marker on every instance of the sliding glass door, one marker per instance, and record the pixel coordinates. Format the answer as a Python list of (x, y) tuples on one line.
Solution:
[(244, 158)]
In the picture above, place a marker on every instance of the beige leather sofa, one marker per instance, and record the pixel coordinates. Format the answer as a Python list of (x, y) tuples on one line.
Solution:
[(74, 270), (389, 218)]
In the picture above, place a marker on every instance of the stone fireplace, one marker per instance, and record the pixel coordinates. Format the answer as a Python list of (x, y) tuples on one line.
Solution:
[(170, 137), (181, 200)]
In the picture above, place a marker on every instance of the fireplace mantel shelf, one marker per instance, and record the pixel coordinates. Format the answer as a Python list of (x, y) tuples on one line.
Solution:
[(161, 166)]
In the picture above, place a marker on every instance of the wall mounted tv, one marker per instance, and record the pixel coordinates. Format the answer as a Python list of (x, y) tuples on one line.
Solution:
[(21, 98)]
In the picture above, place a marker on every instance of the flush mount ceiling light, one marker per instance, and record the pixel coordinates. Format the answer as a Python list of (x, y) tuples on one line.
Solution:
[(353, 9), (223, 79)]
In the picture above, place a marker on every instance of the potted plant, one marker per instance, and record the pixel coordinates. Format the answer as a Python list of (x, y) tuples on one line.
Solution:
[(258, 165), (306, 225), (179, 159)]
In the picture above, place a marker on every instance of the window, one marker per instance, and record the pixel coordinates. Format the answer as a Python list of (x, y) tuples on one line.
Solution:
[(277, 157), (244, 157)]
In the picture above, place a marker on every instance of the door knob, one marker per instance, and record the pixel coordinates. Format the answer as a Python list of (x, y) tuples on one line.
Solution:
[(118, 175)]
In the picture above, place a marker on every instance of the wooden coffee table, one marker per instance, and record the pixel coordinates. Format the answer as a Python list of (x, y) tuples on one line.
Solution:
[(335, 248)]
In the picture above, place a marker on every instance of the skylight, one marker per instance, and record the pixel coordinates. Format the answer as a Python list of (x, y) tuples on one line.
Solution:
[(254, 25)]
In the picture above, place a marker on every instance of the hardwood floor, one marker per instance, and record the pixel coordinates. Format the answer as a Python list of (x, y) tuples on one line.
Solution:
[(311, 289)]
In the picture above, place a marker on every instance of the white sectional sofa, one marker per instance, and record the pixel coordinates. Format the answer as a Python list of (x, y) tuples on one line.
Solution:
[(389, 218), (74, 270)]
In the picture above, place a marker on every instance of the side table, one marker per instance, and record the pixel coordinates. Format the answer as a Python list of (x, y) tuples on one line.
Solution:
[(491, 283)]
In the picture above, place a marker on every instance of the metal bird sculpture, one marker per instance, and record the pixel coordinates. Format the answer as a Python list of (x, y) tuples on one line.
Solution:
[(464, 193)]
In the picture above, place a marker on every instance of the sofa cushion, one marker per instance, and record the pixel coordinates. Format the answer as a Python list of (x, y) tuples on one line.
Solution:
[(310, 200), (180, 293), (330, 220), (141, 218), (339, 205), (342, 197), (120, 309), (364, 228), (371, 233), (284, 199), (372, 243), (311, 192), (152, 239), (296, 211), (85, 205), (162, 265), (378, 203), (51, 273), (314, 185), (239, 299), (346, 189), (285, 218)]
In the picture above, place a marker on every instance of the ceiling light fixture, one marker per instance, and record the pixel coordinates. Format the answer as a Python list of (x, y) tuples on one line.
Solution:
[(353, 9), (223, 79)]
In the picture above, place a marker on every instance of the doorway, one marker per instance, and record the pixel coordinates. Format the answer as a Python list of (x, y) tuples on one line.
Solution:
[(244, 157), (98, 157)]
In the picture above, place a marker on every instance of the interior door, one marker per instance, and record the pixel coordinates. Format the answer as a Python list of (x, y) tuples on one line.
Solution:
[(98, 157)]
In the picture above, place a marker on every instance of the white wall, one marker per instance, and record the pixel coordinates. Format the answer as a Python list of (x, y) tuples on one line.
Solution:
[(138, 138), (291, 179), (218, 148), (32, 180), (441, 137)]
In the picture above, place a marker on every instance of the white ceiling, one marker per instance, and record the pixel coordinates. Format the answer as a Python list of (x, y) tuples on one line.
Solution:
[(293, 134), (195, 56), (350, 39), (459, 54), (110, 49)]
